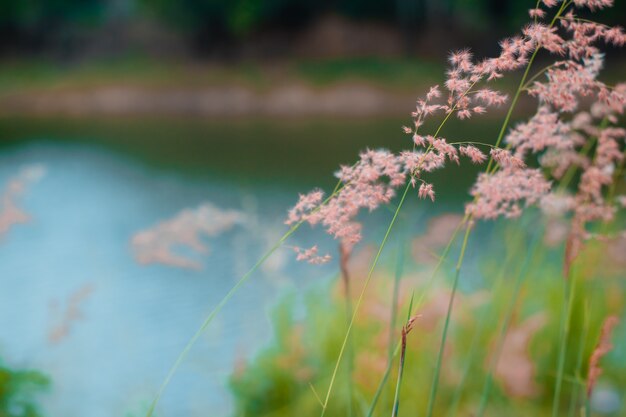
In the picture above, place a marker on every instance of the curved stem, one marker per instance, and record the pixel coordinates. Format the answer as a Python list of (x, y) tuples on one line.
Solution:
[(505, 326), (490, 167), (411, 312), (509, 113), (537, 74), (212, 315), (225, 300), (568, 301), (360, 299), (498, 282), (579, 362), (435, 385)]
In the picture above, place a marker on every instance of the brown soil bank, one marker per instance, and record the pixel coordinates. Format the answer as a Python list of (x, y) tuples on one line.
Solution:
[(290, 100)]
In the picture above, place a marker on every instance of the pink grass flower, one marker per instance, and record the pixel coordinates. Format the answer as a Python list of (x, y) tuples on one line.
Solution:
[(536, 13), (603, 347), (554, 137), (502, 193), (426, 190), (473, 153)]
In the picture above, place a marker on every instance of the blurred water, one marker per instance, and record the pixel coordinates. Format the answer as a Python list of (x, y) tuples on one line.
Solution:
[(137, 318)]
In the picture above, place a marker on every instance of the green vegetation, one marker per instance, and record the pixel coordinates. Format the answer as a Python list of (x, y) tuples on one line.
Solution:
[(18, 392), (502, 346), (391, 74)]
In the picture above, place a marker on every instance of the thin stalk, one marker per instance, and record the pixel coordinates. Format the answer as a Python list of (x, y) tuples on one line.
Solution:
[(537, 75), (394, 302), (385, 377), (579, 362), (360, 299), (395, 295), (396, 400), (405, 331), (475, 339), (507, 118), (223, 302), (467, 220), (519, 90), (505, 326), (378, 391), (435, 385), (569, 291), (345, 275), (509, 113), (212, 315)]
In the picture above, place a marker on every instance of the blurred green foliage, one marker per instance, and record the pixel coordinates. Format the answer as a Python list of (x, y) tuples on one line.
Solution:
[(18, 391), (277, 381), (240, 17), (42, 23), (30, 14)]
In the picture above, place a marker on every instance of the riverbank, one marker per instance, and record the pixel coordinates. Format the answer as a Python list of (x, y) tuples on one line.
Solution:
[(290, 100), (360, 88), (140, 87)]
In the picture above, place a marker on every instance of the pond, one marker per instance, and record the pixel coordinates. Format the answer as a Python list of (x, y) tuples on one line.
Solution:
[(76, 303)]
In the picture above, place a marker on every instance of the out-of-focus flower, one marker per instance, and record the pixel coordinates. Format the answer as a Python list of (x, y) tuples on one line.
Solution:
[(603, 347), (70, 314), (515, 369), (157, 244), (10, 212), (436, 236)]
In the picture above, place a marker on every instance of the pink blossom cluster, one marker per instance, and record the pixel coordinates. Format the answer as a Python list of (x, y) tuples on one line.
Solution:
[(591, 199), (501, 193), (574, 127), (543, 131), (559, 137), (366, 185)]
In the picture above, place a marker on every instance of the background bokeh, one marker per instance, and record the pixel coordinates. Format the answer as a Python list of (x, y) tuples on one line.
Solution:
[(128, 123)]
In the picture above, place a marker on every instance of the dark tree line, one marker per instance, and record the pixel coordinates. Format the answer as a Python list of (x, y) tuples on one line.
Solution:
[(37, 25)]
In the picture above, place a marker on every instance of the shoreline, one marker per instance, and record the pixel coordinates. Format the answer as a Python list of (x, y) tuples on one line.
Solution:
[(289, 100)]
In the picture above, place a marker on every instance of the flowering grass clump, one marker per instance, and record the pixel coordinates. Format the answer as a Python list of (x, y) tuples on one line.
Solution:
[(567, 159), (574, 129), (574, 110)]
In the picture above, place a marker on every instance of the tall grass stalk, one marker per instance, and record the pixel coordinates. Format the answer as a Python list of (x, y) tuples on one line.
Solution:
[(395, 295), (345, 275), (396, 350), (360, 299), (479, 332), (579, 361), (443, 122), (490, 168), (520, 88), (405, 331), (568, 300), (435, 385), (394, 302), (535, 246), (223, 302), (396, 399)]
